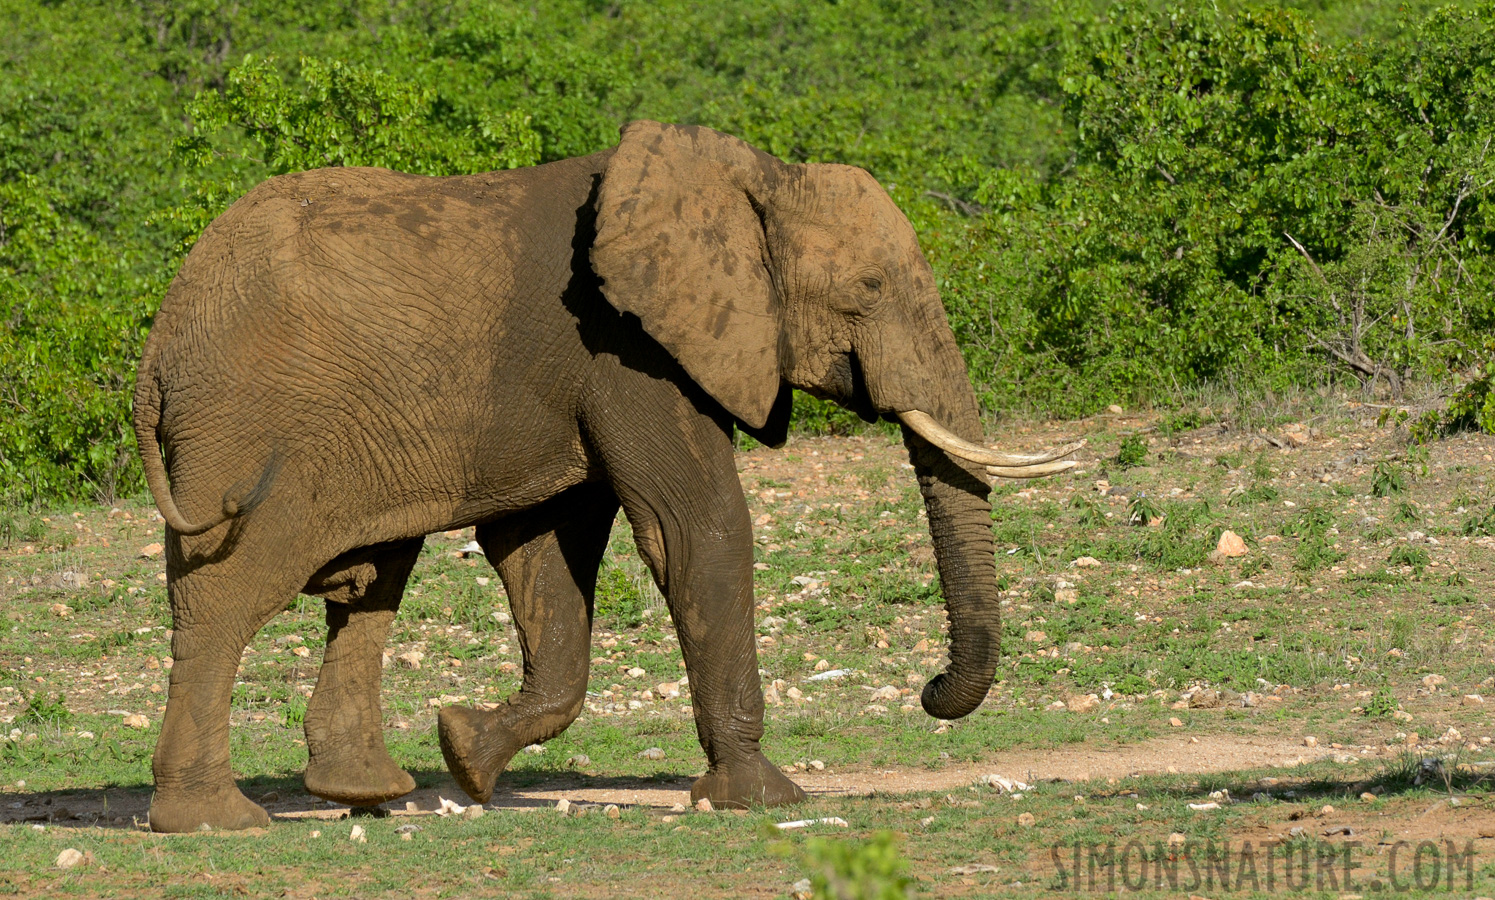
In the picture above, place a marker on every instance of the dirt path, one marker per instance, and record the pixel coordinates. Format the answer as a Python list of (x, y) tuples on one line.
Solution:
[(1207, 753)]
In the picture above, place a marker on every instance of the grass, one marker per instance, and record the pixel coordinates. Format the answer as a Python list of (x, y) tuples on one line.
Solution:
[(1327, 626)]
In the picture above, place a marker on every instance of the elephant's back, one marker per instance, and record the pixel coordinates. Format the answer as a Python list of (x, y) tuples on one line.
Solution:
[(354, 317)]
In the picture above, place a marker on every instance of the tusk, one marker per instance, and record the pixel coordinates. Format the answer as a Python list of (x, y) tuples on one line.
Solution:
[(927, 428), (1036, 471)]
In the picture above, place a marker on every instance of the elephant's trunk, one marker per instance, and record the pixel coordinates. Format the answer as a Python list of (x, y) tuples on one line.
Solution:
[(955, 498)]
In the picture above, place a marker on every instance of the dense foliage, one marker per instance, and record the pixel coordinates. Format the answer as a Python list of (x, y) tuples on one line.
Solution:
[(1123, 203)]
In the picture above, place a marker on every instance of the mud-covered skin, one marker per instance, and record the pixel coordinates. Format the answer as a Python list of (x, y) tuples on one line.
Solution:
[(351, 359)]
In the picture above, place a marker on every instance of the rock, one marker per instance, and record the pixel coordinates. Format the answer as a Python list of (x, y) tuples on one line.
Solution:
[(1114, 410), (822, 665), (771, 696), (61, 610), (472, 548), (534, 749), (135, 720), (563, 806), (1231, 545), (704, 805), (475, 811), (1368, 797), (71, 581), (1086, 562), (1036, 637), (579, 761), (270, 797), (612, 811), (1068, 596), (410, 659), (1204, 807), (830, 675), (1083, 704), (1208, 698), (802, 889), (795, 693), (667, 690), (1473, 700), (302, 652), (652, 753), (357, 835), (886, 692), (1026, 820), (1310, 741), (150, 551), (68, 858), (636, 672), (1176, 722), (1431, 682)]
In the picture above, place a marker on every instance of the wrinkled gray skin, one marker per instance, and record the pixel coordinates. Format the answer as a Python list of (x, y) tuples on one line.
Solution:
[(351, 359)]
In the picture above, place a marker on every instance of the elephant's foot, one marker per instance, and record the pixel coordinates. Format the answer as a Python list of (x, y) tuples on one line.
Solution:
[(356, 779), (226, 810), (758, 783), (476, 746)]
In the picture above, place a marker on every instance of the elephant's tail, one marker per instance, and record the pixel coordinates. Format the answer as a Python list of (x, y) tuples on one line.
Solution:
[(240, 499)]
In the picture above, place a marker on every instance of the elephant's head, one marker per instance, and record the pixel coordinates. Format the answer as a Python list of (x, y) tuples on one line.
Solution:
[(755, 274)]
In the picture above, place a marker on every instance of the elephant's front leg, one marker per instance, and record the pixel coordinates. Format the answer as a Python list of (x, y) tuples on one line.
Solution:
[(548, 561), (692, 526), (349, 762)]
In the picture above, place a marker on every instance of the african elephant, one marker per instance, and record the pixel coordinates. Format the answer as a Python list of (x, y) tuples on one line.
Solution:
[(353, 358)]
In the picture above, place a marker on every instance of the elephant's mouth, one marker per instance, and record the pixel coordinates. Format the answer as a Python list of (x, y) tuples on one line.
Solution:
[(848, 386)]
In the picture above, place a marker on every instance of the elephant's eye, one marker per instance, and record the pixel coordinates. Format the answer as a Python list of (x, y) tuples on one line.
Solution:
[(872, 284)]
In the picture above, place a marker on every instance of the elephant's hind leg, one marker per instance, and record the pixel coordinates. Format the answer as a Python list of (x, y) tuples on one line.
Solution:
[(216, 609), (548, 562), (349, 762)]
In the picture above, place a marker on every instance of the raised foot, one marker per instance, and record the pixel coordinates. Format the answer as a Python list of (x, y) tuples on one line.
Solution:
[(756, 784), (229, 810), (357, 781), (476, 747)]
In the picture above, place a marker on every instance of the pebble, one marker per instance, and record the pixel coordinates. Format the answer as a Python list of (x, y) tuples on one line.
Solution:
[(475, 811), (1310, 741), (136, 720), (704, 805), (1026, 820), (563, 806), (150, 551), (652, 753), (579, 761), (1231, 545), (1086, 562), (1176, 722), (357, 835), (636, 672), (68, 858), (411, 659), (886, 692), (817, 765), (612, 811), (1368, 797)]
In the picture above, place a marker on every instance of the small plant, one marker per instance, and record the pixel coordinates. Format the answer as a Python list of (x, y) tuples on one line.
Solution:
[(1479, 524), (1090, 513), (294, 713), (1472, 408), (1256, 493), (1402, 555), (1261, 468), (1407, 513), (849, 869), (1383, 705), (43, 709), (1142, 511), (1132, 452), (1254, 566), (1387, 478)]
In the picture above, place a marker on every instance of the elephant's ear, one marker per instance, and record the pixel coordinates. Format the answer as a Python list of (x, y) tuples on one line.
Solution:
[(680, 245)]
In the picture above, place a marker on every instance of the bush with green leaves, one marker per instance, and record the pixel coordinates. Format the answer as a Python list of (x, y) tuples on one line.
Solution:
[(1121, 203)]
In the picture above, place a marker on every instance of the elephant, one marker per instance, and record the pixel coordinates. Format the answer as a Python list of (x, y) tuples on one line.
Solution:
[(352, 358)]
